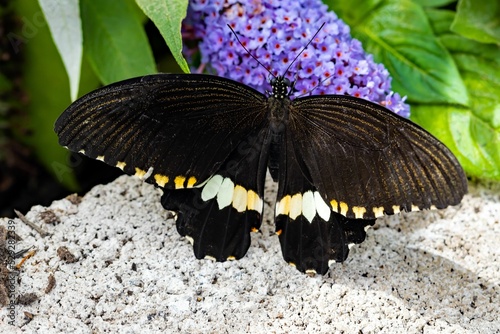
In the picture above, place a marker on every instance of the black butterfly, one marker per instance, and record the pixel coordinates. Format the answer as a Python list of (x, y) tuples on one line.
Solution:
[(208, 141)]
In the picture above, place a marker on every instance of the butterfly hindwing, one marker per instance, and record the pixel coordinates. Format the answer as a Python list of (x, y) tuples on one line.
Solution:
[(312, 236), (367, 161), (218, 216), (173, 130)]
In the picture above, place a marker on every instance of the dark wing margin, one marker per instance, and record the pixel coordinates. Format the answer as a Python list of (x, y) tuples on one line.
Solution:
[(311, 235), (173, 130), (367, 161)]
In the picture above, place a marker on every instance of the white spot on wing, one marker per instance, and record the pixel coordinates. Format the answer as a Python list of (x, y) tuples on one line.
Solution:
[(295, 206), (322, 208), (148, 173), (225, 194), (308, 206), (212, 187)]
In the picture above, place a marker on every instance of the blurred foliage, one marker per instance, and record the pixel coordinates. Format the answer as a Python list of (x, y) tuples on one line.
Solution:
[(452, 81)]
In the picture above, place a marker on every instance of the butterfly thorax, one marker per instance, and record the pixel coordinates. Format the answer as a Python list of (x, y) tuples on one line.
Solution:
[(279, 103)]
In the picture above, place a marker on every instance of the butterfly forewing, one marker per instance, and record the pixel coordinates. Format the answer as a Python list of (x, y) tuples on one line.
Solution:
[(366, 161), (173, 130)]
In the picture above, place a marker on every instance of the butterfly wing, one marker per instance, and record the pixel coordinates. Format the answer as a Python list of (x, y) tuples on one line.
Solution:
[(197, 136), (311, 235), (182, 126), (218, 217), (366, 161)]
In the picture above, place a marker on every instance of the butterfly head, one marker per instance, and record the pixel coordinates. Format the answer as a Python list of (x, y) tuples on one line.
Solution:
[(281, 87)]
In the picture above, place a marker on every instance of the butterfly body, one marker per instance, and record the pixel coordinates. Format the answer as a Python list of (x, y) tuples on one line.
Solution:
[(340, 162)]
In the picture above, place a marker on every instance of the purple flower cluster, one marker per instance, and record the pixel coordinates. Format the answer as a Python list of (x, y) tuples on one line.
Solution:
[(275, 32)]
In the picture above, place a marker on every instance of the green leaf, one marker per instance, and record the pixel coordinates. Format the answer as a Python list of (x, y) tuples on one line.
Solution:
[(398, 34), (478, 20), (474, 142), (472, 133), (440, 20), (433, 3), (46, 84), (115, 41), (5, 83), (63, 18), (167, 15)]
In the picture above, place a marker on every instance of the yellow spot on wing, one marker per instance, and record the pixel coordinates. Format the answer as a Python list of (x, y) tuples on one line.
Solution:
[(139, 172), (283, 206), (343, 208), (121, 164), (295, 206), (179, 182), (100, 158), (396, 209), (191, 182), (415, 208), (253, 201), (378, 212), (240, 198), (278, 233), (335, 205), (359, 211), (161, 180)]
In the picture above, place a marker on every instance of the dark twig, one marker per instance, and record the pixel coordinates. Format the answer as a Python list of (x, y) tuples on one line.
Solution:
[(30, 224)]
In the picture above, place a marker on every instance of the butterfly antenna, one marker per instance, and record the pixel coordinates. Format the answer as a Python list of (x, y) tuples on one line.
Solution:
[(235, 35), (304, 48)]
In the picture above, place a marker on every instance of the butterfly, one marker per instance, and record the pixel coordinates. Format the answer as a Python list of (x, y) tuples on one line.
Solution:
[(207, 141)]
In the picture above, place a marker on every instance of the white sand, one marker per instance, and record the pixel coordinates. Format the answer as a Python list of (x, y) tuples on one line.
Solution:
[(424, 272)]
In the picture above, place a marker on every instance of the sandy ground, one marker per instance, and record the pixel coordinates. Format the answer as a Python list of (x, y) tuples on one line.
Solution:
[(423, 272)]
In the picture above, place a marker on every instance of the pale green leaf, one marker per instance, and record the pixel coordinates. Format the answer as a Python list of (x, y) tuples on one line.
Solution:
[(167, 15), (63, 18)]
